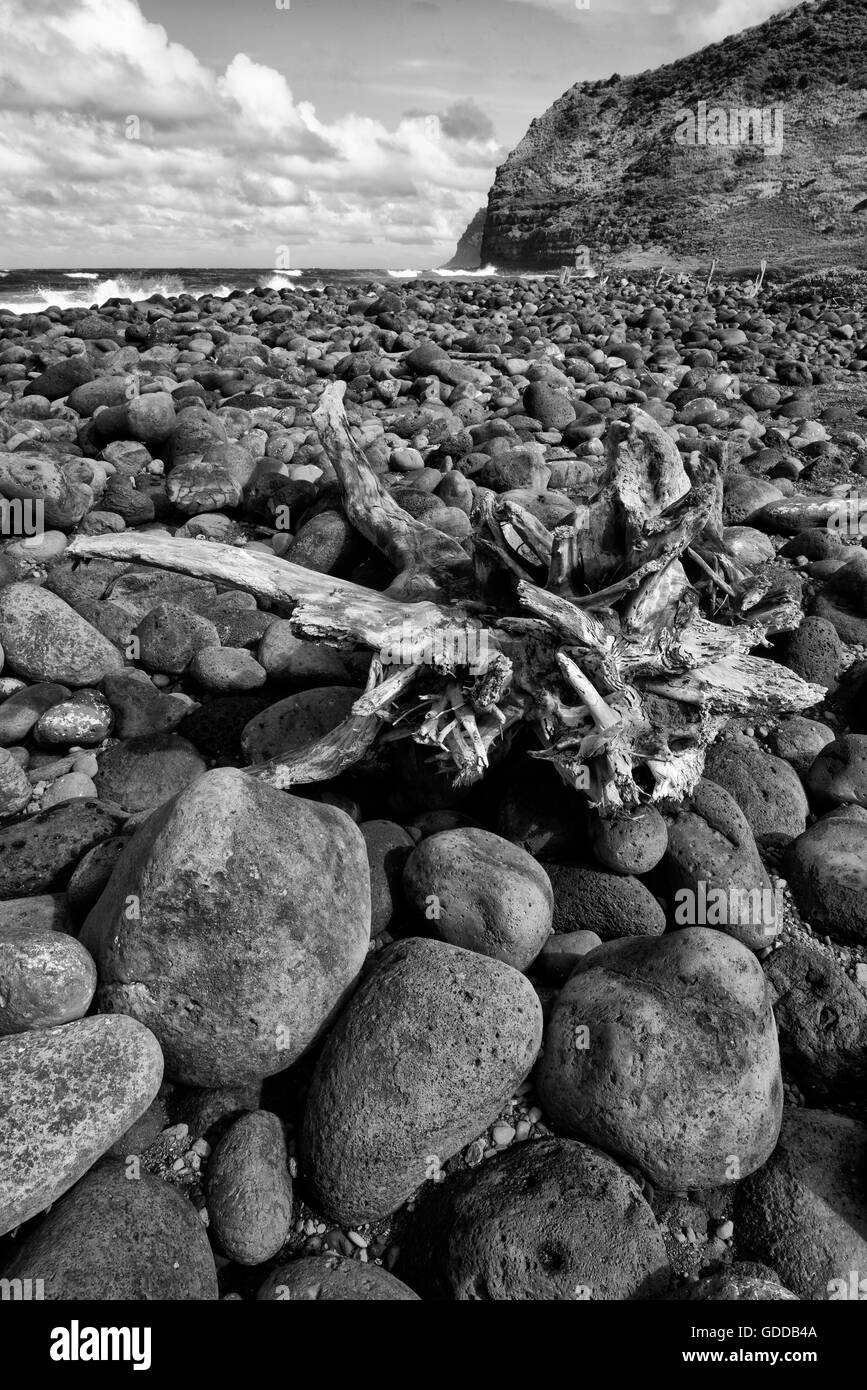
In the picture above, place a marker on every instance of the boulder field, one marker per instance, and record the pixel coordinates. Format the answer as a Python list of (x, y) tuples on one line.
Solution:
[(366, 1031)]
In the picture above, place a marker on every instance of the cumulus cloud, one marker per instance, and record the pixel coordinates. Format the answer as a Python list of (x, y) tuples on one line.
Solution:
[(150, 154)]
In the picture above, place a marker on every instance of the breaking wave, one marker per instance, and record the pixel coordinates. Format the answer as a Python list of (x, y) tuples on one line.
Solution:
[(486, 271)]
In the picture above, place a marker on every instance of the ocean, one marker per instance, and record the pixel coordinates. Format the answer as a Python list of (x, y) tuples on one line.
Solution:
[(30, 291)]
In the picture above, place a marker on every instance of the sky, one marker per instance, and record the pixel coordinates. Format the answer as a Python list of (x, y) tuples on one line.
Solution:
[(339, 133)]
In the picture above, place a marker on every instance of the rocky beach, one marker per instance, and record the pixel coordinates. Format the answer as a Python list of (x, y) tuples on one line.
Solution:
[(433, 791)]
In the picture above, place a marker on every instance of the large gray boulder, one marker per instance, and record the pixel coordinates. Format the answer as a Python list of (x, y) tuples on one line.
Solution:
[(117, 1238), (46, 640), (554, 1220), (664, 1052), (481, 892), (234, 925), (805, 1212), (419, 1063), (827, 872), (66, 1095), (712, 851)]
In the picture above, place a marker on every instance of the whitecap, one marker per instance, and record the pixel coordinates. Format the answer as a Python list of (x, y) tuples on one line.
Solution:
[(278, 280), (91, 296), (486, 272)]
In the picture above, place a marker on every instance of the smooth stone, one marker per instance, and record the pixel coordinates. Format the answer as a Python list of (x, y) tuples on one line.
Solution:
[(25, 707), (140, 592), (92, 872), (38, 854), (420, 1062), (62, 377), (587, 898), (44, 912), (748, 546), (249, 1190), (821, 1020), (664, 1052), (629, 844), (116, 1239), (72, 786), (298, 720), (66, 1095), (46, 979), (235, 923), (712, 849), (562, 952), (550, 1221), (151, 417), (139, 708), (86, 718), (298, 663), (145, 772), (803, 1213), (826, 868), (333, 1278), (800, 741), (47, 641), (838, 777), (388, 848), (767, 789), (227, 669), (481, 892)]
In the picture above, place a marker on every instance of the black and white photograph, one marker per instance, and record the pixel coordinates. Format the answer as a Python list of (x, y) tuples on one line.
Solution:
[(433, 673)]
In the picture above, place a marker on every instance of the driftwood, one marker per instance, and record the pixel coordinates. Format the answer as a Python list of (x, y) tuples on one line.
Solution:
[(593, 634), (429, 563)]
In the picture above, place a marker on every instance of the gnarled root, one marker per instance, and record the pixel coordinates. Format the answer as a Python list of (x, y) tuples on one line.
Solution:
[(625, 680)]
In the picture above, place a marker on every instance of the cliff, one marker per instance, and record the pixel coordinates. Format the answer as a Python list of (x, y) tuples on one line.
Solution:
[(754, 147), (468, 255)]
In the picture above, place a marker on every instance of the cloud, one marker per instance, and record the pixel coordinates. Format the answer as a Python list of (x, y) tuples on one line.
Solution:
[(702, 21), (718, 19), (465, 120), (112, 136)]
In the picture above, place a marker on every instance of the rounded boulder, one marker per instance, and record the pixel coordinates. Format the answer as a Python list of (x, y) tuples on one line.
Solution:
[(420, 1062), (483, 893), (234, 924), (550, 1221), (665, 1052), (250, 1190), (112, 1238)]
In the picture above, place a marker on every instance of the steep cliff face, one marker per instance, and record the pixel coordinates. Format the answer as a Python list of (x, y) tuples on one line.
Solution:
[(468, 255), (754, 147)]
